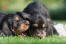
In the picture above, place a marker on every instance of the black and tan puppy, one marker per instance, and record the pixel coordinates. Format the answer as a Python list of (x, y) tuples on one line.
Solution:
[(40, 20), (14, 24)]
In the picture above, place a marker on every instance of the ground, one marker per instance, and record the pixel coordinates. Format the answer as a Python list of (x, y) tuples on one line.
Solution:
[(29, 40)]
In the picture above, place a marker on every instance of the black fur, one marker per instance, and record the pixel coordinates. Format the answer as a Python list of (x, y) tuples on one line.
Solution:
[(39, 15)]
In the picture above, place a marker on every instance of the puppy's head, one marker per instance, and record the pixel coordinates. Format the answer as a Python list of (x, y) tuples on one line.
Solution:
[(18, 24), (38, 28)]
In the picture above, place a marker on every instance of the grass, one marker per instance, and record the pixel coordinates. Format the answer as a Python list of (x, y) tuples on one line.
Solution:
[(29, 40)]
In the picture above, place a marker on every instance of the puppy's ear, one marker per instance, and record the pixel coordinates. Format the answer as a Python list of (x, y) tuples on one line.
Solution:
[(6, 29)]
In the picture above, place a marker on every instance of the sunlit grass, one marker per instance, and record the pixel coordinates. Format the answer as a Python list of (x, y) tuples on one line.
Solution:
[(29, 40)]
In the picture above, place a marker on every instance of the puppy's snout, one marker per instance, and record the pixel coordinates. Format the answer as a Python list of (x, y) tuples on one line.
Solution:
[(25, 27), (42, 35)]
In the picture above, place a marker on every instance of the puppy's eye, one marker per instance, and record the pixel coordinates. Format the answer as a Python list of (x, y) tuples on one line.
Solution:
[(17, 18), (43, 25), (36, 25)]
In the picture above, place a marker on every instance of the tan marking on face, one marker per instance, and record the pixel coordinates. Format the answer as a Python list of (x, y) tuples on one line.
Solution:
[(21, 29), (25, 27), (43, 25), (17, 18), (36, 25)]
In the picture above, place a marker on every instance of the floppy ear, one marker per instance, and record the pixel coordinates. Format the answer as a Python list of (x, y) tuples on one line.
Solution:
[(6, 29)]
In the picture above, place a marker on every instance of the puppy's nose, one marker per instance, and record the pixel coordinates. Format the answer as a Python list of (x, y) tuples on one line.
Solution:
[(42, 35), (24, 27)]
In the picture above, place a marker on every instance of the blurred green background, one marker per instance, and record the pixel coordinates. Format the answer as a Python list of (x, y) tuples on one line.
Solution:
[(57, 8)]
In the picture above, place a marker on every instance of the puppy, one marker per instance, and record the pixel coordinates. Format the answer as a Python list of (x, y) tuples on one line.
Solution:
[(40, 20), (14, 24)]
